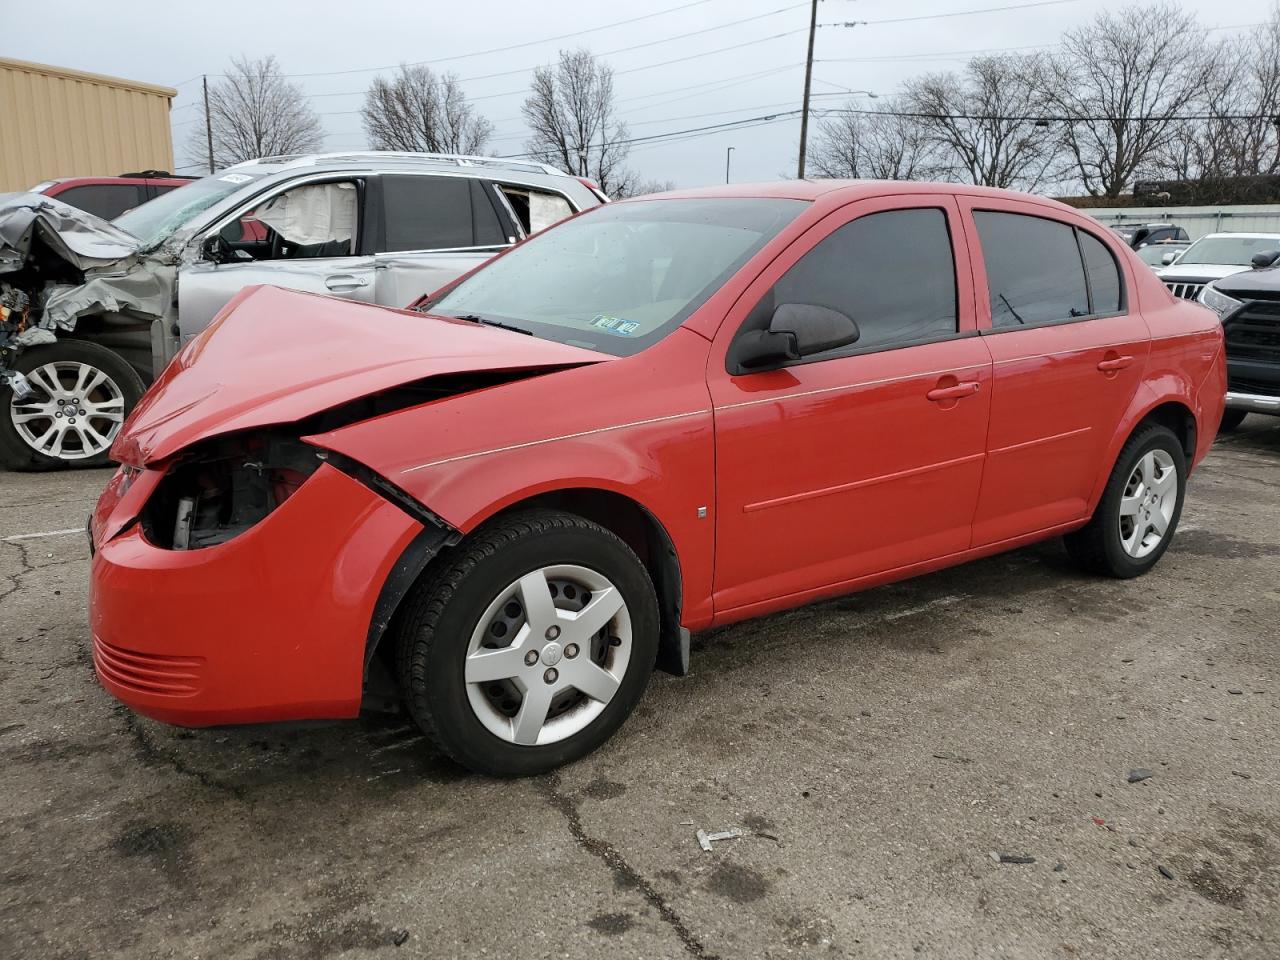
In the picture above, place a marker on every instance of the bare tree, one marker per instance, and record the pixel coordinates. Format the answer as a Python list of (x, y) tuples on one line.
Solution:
[(1120, 85), (983, 122), (255, 112), (638, 188), (1237, 136), (570, 112), (417, 110), (880, 144)]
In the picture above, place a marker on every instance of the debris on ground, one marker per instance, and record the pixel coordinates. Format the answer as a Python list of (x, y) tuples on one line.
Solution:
[(1166, 872), (1241, 775), (1138, 774), (1010, 857), (706, 839)]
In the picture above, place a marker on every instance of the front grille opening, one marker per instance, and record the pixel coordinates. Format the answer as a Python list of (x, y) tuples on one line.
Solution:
[(222, 488)]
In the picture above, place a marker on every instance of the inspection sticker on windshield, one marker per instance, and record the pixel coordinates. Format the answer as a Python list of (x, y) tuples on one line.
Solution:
[(236, 178), (623, 328)]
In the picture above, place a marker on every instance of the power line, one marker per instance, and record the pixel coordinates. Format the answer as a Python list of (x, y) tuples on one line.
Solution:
[(943, 16)]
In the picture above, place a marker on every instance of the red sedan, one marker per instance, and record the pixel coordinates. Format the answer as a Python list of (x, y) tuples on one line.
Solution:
[(660, 416)]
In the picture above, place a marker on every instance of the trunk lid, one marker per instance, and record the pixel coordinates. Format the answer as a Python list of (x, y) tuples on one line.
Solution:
[(275, 356)]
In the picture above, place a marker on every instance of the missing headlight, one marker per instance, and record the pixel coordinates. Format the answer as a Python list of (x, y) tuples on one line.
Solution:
[(222, 488)]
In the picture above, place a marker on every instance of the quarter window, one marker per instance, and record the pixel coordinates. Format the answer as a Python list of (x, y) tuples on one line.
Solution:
[(1104, 275), (893, 273)]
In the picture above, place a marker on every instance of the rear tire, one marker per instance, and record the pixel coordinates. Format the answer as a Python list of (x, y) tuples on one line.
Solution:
[(1138, 514), (1231, 418), (32, 434), (491, 661)]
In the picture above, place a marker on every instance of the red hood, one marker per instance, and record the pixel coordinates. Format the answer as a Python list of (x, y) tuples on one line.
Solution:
[(275, 356)]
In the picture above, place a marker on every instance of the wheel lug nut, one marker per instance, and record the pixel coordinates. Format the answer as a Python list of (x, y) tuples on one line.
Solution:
[(551, 675), (552, 632), (571, 651), (531, 657), (61, 402)]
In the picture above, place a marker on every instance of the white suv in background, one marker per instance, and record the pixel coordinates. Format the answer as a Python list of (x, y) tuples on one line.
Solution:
[(379, 227), (1213, 257)]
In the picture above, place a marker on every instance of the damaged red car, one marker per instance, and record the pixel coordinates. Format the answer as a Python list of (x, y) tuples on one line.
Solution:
[(507, 507)]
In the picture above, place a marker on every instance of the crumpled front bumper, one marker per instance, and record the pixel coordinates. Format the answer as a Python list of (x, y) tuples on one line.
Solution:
[(271, 625)]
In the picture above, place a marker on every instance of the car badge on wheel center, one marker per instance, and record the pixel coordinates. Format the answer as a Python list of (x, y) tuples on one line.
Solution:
[(551, 654)]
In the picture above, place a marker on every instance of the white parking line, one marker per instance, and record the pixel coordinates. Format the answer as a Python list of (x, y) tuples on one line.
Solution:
[(43, 533)]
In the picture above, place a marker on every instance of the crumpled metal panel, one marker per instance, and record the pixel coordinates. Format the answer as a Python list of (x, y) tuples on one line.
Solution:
[(81, 239)]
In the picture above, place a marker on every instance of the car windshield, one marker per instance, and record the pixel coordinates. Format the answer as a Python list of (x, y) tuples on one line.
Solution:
[(622, 276), (157, 220), (1227, 251)]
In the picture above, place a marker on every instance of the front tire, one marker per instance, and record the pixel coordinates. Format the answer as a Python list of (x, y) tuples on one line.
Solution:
[(531, 645), (81, 393), (1138, 514)]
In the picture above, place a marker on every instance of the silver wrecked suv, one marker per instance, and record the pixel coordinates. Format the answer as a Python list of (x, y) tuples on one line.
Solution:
[(92, 311)]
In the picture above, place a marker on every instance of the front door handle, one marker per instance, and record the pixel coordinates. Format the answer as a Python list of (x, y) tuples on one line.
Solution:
[(345, 281), (955, 392), (1113, 362)]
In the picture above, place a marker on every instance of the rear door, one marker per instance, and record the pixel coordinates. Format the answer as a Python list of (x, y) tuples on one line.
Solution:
[(308, 236), (432, 230), (867, 458), (1068, 356)]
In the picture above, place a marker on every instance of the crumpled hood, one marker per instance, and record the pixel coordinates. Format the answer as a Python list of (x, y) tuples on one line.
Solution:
[(276, 356), (83, 240)]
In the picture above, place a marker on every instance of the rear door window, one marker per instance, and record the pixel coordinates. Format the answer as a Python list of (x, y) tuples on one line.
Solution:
[(438, 213), (1034, 270), (105, 200)]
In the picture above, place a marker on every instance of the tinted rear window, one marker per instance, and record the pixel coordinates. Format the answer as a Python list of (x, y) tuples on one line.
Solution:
[(1034, 271), (105, 200), (1104, 274), (438, 213)]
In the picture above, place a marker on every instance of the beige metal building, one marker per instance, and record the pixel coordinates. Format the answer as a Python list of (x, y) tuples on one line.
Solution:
[(66, 123)]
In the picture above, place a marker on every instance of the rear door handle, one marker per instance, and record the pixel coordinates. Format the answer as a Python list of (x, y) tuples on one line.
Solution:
[(1114, 363), (345, 281), (957, 392)]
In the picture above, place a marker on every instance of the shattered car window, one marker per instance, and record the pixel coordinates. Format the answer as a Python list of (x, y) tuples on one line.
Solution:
[(157, 220), (622, 276)]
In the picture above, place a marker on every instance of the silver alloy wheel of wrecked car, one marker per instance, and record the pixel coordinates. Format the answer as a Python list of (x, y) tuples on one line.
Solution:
[(548, 654), (73, 412), (1146, 506)]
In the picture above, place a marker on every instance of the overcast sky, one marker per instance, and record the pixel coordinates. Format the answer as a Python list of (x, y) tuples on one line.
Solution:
[(707, 85)]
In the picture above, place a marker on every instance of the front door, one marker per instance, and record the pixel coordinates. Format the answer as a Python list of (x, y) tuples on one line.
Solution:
[(867, 459), (1068, 356), (306, 237)]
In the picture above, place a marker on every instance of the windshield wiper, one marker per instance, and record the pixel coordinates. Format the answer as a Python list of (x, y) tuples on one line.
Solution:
[(476, 318)]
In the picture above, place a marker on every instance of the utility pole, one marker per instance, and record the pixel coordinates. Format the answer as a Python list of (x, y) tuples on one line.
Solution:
[(728, 152), (209, 124), (808, 80)]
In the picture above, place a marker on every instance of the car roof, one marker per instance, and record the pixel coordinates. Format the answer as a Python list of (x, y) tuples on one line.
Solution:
[(1239, 234), (390, 159), (847, 190)]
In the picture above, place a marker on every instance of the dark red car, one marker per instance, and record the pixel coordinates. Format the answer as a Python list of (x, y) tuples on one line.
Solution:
[(108, 197), (659, 416)]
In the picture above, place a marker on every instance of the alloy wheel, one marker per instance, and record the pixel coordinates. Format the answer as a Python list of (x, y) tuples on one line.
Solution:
[(548, 654), (73, 413), (1147, 504)]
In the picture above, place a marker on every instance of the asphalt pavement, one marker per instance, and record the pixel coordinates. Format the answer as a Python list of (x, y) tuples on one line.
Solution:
[(939, 768)]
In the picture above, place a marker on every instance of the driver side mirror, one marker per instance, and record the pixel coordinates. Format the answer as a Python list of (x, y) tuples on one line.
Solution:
[(796, 330), (215, 249), (1265, 258)]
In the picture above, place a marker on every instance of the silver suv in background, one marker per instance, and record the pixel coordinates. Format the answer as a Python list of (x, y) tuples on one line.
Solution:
[(90, 311)]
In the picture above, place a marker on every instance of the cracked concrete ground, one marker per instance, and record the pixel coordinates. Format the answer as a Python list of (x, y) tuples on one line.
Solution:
[(875, 750)]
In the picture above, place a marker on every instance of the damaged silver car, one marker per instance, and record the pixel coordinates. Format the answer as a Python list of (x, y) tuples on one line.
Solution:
[(91, 312)]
